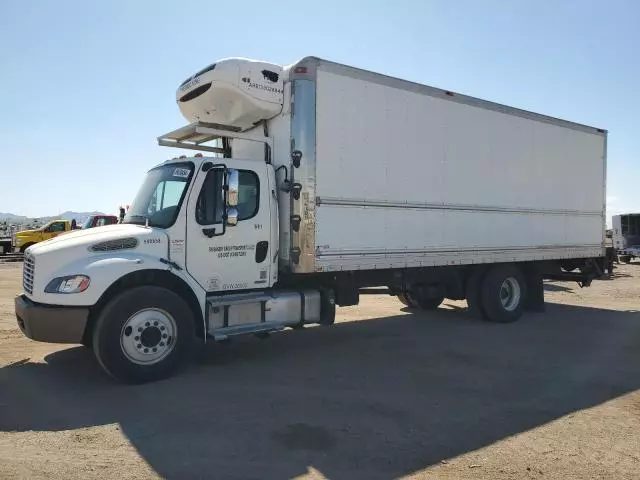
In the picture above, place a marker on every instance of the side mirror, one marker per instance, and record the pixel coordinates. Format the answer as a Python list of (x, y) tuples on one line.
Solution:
[(232, 217), (232, 188)]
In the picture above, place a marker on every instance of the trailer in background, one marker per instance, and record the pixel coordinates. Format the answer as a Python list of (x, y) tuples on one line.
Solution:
[(626, 236)]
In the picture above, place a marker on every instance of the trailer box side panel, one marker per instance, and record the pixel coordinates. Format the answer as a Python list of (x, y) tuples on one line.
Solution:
[(408, 175)]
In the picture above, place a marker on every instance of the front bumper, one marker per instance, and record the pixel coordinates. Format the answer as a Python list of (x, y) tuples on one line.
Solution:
[(50, 323)]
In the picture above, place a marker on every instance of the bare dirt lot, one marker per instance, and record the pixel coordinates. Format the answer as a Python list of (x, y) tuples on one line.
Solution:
[(385, 393)]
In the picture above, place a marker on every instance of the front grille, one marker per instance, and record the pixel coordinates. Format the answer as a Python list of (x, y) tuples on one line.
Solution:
[(28, 273)]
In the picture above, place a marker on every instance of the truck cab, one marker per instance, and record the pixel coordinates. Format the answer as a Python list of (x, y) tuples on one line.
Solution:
[(196, 255), (26, 238), (219, 223)]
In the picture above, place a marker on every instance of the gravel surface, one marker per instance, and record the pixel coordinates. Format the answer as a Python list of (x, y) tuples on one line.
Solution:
[(385, 393)]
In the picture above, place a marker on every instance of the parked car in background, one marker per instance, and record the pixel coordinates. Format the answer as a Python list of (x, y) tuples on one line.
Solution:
[(99, 221), (627, 254)]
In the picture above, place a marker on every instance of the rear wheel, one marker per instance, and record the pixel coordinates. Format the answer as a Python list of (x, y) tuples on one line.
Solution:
[(503, 294), (430, 303), (143, 334), (417, 296), (406, 299)]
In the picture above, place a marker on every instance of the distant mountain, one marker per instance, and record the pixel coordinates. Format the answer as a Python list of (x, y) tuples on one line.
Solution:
[(11, 217), (79, 216)]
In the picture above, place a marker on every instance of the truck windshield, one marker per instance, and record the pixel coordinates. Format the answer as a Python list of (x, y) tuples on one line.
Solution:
[(87, 223), (160, 197)]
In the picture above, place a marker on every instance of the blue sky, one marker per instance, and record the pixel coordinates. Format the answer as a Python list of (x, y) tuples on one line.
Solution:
[(88, 86)]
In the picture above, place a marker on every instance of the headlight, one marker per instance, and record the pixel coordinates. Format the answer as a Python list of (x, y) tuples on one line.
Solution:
[(17, 241), (70, 284)]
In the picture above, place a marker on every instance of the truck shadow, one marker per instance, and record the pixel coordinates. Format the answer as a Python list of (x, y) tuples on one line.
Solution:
[(377, 398)]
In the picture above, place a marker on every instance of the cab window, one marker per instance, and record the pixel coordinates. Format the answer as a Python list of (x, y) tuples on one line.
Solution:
[(209, 207), (56, 227)]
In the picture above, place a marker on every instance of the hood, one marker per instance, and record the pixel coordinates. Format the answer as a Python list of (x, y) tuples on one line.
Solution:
[(87, 251), (88, 237), (28, 232)]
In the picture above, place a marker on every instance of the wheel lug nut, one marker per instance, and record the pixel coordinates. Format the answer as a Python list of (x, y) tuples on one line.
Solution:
[(155, 324), (162, 344), (139, 346), (162, 327), (137, 338), (139, 329), (147, 324), (146, 350), (155, 349), (164, 335)]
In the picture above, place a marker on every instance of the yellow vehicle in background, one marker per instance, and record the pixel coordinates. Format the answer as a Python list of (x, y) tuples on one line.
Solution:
[(24, 239)]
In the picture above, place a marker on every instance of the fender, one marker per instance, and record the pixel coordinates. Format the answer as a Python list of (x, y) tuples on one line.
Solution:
[(105, 270)]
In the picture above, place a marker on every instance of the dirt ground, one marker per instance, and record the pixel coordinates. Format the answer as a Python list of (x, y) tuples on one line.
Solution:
[(385, 393)]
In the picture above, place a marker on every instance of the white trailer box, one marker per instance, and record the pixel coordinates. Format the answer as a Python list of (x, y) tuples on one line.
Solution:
[(397, 174)]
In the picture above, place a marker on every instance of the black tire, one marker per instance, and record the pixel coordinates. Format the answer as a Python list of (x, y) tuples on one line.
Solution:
[(107, 332), (327, 308), (492, 292), (429, 303), (473, 292), (24, 247), (407, 300)]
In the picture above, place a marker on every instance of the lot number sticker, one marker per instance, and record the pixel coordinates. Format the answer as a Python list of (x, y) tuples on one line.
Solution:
[(181, 172)]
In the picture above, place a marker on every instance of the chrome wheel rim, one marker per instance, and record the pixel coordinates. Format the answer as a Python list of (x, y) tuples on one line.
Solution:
[(148, 336), (510, 294)]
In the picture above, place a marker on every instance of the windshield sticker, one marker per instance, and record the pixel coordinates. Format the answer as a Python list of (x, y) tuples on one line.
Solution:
[(181, 172)]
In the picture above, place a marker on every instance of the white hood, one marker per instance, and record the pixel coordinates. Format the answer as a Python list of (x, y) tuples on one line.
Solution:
[(86, 238), (72, 254)]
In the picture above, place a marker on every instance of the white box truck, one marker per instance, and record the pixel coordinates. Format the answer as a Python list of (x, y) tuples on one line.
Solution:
[(312, 182), (626, 236)]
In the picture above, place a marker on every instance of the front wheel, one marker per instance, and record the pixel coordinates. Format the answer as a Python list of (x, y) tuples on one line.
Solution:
[(143, 334)]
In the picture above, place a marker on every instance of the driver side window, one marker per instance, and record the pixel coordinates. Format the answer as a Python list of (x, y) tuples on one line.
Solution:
[(209, 207), (210, 204)]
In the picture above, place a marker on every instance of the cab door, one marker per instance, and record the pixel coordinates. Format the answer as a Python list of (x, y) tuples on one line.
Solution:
[(230, 257)]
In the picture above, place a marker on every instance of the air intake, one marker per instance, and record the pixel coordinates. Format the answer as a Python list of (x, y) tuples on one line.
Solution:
[(118, 244)]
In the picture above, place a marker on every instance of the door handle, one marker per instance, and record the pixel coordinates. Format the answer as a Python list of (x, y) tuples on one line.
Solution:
[(209, 232), (262, 248)]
